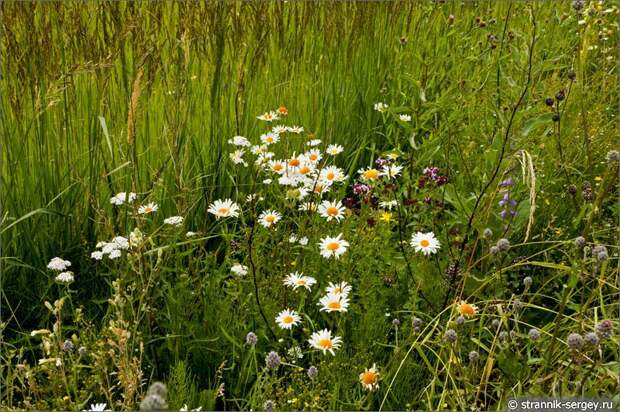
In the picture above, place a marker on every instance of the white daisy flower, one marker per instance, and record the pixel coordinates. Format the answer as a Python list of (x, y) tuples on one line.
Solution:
[(191, 234), (268, 116), (381, 107), (148, 208), (334, 149), (287, 319), (257, 150), (109, 248), (388, 204), (240, 141), (331, 210), (295, 129), (224, 208), (305, 169), (58, 264), (370, 378), (334, 303), (333, 246), (332, 174), (99, 407), (279, 129), (270, 138), (174, 220), (324, 341), (426, 243), (391, 171), (65, 277), (314, 142), (303, 241), (277, 166), (267, 181), (97, 255), (342, 288), (237, 157), (239, 269), (292, 238), (269, 218), (405, 117), (297, 280), (313, 155), (295, 161)]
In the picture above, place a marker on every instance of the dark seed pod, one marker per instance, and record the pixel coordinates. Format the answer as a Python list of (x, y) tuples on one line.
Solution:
[(549, 101), (561, 95)]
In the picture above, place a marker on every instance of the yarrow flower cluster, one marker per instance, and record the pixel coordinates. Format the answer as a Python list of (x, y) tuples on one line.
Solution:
[(112, 249)]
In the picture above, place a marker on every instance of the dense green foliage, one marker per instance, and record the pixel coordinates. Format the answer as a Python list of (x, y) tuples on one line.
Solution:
[(107, 97)]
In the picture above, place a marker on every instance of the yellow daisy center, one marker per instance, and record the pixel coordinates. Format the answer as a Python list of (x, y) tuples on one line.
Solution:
[(301, 282), (288, 319), (313, 157), (325, 343), (223, 210), (304, 170), (371, 174), (294, 162), (277, 167), (369, 378), (148, 209), (332, 211), (334, 305), (333, 246), (424, 243), (330, 176), (270, 218), (467, 309)]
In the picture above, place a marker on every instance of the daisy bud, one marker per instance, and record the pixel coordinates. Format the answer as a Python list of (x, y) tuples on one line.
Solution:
[(487, 233), (272, 360), (574, 341), (591, 339), (450, 336), (451, 19), (571, 74), (474, 356), (604, 329), (578, 4), (460, 320), (527, 282), (395, 323), (495, 323), (503, 336), (560, 95), (82, 350), (494, 250), (555, 117), (533, 334), (403, 41), (312, 372), (251, 339)]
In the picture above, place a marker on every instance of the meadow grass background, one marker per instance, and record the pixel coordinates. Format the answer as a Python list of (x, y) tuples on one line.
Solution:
[(103, 97)]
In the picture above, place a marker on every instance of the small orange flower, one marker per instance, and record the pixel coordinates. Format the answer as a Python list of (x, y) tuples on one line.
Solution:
[(282, 110)]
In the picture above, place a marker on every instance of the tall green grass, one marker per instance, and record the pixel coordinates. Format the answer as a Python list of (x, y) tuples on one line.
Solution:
[(103, 97)]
